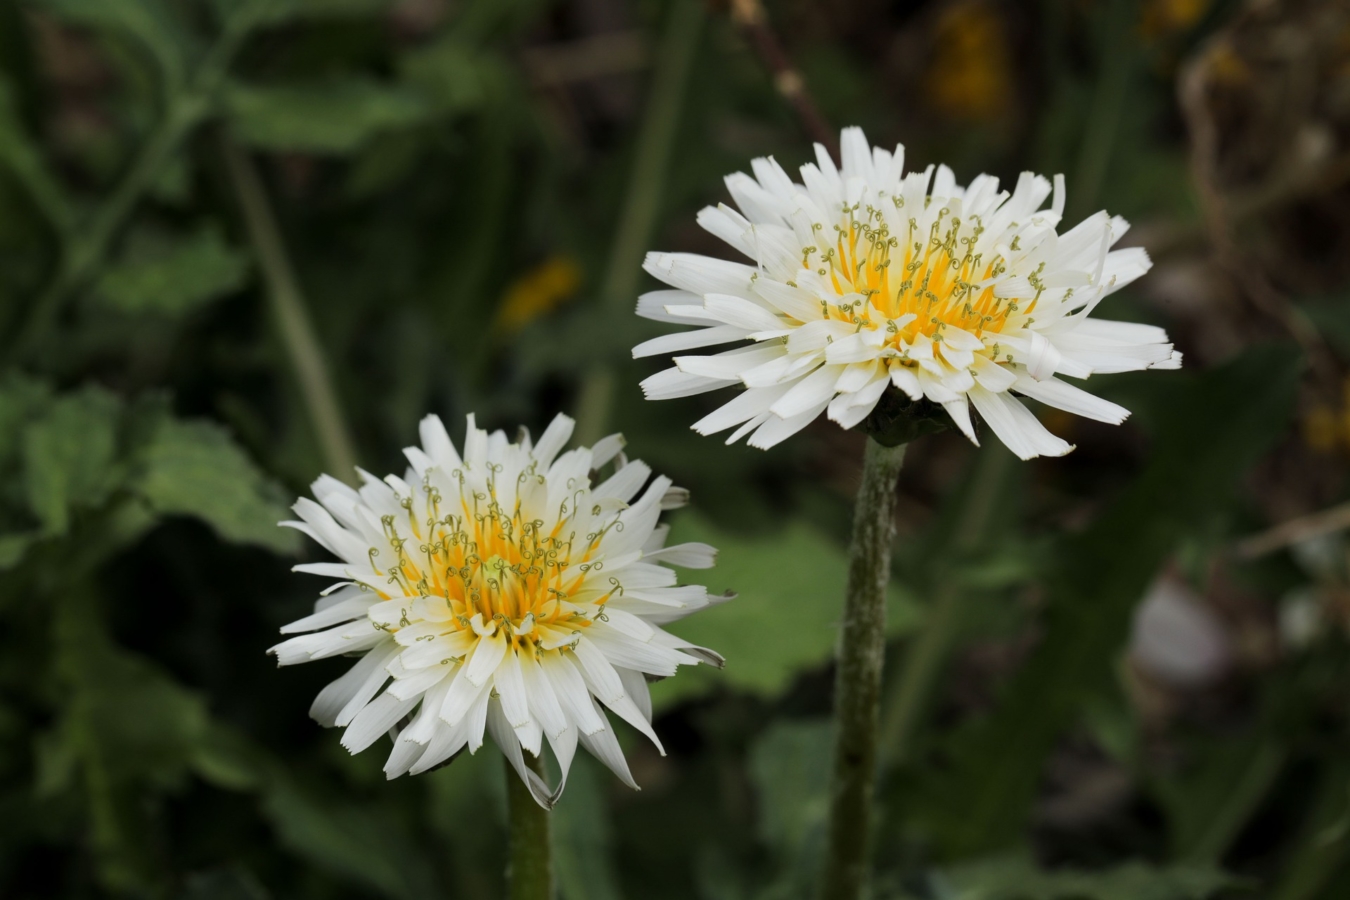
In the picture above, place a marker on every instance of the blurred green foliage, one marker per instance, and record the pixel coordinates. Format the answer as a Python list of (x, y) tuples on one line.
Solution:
[(424, 159)]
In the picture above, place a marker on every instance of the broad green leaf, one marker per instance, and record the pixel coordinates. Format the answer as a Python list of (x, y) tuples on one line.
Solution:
[(1018, 879), (14, 546), (176, 277), (22, 400), (338, 117), (152, 23), (195, 468), (1209, 429), (70, 457), (790, 590), (456, 75)]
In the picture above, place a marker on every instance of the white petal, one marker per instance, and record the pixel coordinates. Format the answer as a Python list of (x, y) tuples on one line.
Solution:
[(499, 724), (692, 555), (333, 698), (699, 274), (669, 384), (375, 720), (1056, 393), (959, 410), (689, 340), (1015, 426), (812, 392)]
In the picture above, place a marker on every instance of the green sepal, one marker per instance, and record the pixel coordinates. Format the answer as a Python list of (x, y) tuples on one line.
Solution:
[(898, 420)]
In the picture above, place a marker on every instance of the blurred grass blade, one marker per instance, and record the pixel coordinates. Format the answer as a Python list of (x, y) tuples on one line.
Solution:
[(642, 200), (292, 318), (1322, 844)]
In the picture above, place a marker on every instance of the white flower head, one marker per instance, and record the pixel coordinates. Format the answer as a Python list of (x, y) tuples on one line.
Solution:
[(865, 277), (499, 591)]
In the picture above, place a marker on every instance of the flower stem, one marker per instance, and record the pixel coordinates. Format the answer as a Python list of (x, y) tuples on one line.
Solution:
[(529, 873), (292, 318), (642, 201), (857, 685)]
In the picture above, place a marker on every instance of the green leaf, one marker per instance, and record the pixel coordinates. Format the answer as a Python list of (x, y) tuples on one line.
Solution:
[(1210, 428), (174, 277), (1018, 879), (790, 593), (14, 546), (455, 74), (151, 23), (195, 468), (22, 400), (337, 117), (70, 457)]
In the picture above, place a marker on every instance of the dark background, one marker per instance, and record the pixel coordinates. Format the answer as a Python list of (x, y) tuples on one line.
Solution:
[(1099, 688)]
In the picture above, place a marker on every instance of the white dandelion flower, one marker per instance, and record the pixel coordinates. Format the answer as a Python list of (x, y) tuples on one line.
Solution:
[(864, 277), (497, 591)]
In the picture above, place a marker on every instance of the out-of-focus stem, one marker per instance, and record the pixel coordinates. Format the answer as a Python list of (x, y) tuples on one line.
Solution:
[(753, 23), (642, 200), (1113, 88), (927, 654), (529, 874), (857, 684), (292, 318)]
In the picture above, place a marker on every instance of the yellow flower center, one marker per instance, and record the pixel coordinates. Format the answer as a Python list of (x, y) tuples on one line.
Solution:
[(486, 562), (937, 280)]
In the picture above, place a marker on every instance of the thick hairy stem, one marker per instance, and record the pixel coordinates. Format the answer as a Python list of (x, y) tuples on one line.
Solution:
[(529, 873), (857, 686), (292, 317)]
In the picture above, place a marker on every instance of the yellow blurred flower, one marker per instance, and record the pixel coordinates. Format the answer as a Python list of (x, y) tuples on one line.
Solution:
[(1166, 17), (1326, 428), (970, 76), (538, 292)]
